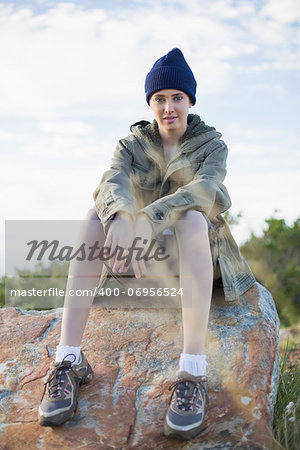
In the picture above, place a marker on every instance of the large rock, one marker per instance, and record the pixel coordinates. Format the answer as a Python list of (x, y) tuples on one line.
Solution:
[(134, 354)]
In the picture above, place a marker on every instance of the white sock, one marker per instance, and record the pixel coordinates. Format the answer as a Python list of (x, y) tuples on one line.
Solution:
[(68, 353), (193, 364)]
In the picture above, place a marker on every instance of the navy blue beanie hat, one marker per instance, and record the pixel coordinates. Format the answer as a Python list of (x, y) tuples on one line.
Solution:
[(171, 72)]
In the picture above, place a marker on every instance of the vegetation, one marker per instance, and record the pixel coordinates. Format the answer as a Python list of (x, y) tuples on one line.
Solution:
[(275, 260), (286, 424), (42, 278)]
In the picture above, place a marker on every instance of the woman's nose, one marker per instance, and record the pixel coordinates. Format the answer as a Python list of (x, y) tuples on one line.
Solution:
[(169, 106)]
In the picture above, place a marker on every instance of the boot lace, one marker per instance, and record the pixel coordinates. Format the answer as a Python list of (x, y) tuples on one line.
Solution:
[(56, 380), (186, 392)]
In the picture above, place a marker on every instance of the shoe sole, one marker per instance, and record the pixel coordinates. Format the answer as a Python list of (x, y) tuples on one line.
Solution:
[(182, 435), (61, 418)]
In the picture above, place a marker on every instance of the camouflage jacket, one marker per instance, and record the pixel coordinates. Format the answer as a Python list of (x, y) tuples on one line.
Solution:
[(140, 180)]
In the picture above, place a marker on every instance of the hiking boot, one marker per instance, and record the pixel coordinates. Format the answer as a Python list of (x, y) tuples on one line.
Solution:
[(186, 412), (59, 399)]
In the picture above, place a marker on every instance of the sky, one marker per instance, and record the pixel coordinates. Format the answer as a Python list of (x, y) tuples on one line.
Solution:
[(72, 82)]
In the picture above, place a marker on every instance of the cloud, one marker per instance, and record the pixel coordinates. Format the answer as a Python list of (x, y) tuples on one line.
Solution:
[(71, 60), (271, 88), (249, 193), (245, 148), (7, 136), (74, 127), (284, 12), (59, 147), (262, 150), (37, 191), (71, 82)]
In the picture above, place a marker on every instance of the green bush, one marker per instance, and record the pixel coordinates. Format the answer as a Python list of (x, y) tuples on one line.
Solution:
[(41, 278), (275, 260)]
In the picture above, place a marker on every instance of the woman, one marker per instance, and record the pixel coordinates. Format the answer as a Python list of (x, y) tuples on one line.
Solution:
[(165, 177)]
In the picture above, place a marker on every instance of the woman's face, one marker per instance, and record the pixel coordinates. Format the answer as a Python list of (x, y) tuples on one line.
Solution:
[(171, 108)]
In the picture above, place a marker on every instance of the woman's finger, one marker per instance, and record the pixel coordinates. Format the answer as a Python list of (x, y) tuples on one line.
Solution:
[(143, 267), (119, 261), (112, 253), (123, 261), (141, 262), (136, 269), (107, 244)]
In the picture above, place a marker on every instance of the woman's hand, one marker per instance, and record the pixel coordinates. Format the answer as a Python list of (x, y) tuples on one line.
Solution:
[(142, 230), (120, 233)]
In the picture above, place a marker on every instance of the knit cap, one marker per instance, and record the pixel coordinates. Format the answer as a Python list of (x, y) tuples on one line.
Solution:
[(171, 71)]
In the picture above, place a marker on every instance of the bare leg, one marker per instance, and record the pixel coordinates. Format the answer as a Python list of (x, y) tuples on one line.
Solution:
[(83, 275), (196, 278)]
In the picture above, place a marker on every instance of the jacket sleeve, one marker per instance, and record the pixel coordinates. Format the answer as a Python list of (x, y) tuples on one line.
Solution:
[(114, 192), (205, 192)]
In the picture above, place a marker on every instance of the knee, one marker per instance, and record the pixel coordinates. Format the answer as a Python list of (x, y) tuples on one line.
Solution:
[(91, 215), (192, 222)]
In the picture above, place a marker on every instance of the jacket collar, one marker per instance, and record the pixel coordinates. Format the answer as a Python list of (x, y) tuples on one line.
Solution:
[(196, 134)]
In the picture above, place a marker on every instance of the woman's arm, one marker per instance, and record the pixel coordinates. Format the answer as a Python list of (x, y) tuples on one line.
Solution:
[(114, 192), (114, 200)]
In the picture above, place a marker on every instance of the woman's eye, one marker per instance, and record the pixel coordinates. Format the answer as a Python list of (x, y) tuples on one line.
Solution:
[(178, 98), (159, 100)]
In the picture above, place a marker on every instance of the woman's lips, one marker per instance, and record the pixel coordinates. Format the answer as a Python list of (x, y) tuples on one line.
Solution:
[(170, 118)]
